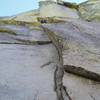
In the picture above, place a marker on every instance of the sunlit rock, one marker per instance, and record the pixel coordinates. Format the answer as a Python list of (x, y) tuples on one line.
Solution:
[(28, 58), (90, 10), (51, 9)]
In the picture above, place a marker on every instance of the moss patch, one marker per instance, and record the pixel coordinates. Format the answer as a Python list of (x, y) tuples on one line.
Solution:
[(3, 30), (14, 22)]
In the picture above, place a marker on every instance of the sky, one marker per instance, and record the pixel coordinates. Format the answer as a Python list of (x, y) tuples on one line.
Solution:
[(13, 7)]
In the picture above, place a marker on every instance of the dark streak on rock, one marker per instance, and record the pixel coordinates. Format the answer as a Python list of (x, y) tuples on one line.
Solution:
[(82, 72)]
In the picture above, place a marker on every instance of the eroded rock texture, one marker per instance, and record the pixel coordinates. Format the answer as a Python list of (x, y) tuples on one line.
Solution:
[(90, 10), (58, 60), (27, 68)]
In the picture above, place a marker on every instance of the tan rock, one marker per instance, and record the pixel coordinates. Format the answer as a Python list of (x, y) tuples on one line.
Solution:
[(90, 10)]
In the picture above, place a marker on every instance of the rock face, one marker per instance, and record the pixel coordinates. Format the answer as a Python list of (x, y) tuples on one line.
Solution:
[(22, 78), (49, 8), (28, 59), (46, 9), (90, 10), (27, 17)]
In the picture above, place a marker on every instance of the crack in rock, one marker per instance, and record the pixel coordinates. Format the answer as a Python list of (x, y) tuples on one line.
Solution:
[(59, 71)]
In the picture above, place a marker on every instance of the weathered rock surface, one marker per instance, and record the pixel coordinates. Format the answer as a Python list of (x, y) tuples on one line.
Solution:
[(28, 59), (27, 17), (21, 74), (90, 10), (49, 9), (21, 77), (82, 43)]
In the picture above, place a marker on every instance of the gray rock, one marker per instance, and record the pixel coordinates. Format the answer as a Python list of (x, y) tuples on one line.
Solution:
[(27, 70), (49, 9), (21, 77)]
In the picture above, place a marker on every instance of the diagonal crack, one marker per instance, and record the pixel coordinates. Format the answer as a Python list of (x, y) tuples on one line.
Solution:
[(79, 71)]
